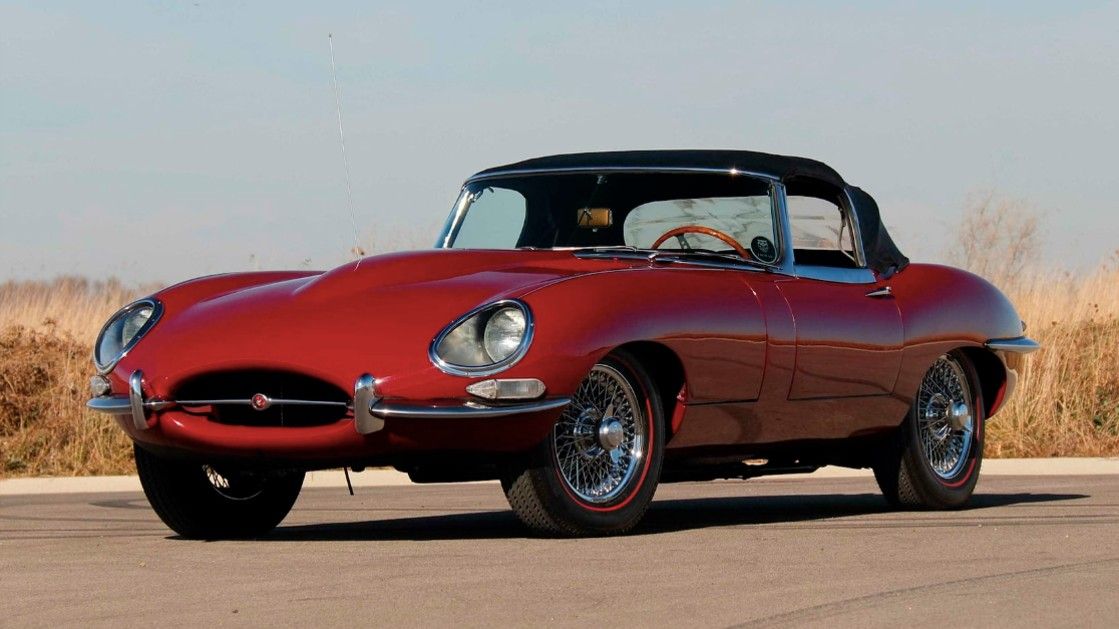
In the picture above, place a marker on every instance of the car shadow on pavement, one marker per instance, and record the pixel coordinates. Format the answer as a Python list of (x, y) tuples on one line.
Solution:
[(667, 516)]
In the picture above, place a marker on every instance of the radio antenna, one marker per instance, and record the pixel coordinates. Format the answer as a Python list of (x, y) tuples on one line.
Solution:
[(358, 251)]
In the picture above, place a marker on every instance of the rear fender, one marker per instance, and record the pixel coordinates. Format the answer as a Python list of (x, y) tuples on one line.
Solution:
[(943, 309)]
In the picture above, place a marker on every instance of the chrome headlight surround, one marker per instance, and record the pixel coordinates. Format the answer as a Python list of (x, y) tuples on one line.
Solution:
[(130, 313), (479, 320)]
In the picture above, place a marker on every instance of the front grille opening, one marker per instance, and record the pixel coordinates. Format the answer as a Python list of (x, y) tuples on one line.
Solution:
[(242, 385)]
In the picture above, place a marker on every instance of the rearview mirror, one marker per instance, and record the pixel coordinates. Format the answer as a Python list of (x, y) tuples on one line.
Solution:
[(594, 217)]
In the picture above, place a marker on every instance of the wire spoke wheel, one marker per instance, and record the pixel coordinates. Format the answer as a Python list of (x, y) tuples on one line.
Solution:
[(599, 442), (234, 486), (203, 501), (596, 470), (946, 418)]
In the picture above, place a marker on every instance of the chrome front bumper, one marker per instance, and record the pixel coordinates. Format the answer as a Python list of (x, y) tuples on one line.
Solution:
[(1016, 345), (369, 415)]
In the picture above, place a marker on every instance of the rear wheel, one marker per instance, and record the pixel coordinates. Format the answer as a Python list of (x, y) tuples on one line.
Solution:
[(596, 473), (215, 502), (935, 459)]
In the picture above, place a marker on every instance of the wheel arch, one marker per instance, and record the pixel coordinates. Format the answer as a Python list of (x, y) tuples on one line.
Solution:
[(992, 377), (667, 373)]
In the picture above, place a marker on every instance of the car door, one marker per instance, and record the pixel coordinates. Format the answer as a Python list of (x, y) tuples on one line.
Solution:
[(848, 338), (848, 327)]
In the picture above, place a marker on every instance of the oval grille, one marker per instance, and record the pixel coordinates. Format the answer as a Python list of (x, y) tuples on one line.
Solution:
[(237, 390)]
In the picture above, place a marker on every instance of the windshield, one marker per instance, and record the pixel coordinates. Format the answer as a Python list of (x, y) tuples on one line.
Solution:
[(593, 210)]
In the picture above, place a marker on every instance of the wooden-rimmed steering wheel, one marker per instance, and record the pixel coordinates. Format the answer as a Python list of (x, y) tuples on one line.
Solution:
[(707, 231)]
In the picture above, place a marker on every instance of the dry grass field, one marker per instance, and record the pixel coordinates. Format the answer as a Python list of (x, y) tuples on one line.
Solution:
[(46, 332), (1067, 402)]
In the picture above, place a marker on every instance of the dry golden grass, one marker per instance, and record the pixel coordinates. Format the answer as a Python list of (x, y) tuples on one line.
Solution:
[(1066, 404), (46, 331), (1067, 400), (69, 305)]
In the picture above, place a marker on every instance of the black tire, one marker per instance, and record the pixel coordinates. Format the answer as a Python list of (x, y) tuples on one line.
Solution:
[(184, 497), (906, 474), (539, 491)]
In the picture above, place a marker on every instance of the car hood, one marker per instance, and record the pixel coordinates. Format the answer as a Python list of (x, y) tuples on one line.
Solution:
[(376, 315)]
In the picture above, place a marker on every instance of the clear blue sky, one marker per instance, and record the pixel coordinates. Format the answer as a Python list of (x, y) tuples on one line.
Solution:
[(164, 140)]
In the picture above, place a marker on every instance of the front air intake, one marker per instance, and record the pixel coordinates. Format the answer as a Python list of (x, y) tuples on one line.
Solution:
[(263, 398)]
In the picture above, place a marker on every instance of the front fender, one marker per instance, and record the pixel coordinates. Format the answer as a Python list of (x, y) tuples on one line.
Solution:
[(710, 318)]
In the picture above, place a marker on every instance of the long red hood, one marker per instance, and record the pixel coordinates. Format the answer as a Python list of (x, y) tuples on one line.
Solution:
[(375, 315)]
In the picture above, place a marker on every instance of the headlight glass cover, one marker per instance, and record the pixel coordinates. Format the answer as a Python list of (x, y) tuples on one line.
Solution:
[(123, 330), (485, 340)]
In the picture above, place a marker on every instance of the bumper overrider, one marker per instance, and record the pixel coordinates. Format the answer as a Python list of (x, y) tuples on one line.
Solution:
[(369, 410)]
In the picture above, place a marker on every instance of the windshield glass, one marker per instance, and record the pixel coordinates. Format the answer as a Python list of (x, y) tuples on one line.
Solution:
[(546, 211)]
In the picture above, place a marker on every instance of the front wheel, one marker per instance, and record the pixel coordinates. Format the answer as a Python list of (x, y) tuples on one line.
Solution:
[(934, 461), (201, 501), (596, 473)]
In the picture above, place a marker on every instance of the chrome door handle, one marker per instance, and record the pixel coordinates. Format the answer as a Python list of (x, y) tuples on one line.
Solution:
[(881, 292)]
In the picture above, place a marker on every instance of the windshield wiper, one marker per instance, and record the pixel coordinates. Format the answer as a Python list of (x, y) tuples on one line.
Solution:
[(628, 251), (684, 255)]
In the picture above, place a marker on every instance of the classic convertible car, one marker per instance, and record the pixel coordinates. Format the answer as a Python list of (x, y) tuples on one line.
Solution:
[(586, 326)]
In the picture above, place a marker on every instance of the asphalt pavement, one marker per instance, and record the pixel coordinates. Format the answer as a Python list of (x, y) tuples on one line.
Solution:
[(1041, 550)]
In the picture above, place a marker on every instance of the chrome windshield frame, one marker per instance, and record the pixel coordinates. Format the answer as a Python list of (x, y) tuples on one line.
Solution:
[(785, 265), (776, 192)]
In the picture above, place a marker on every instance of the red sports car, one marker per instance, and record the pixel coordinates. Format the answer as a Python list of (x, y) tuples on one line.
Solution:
[(587, 326)]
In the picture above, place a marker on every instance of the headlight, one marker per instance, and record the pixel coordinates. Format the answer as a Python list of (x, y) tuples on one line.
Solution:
[(123, 331), (485, 340)]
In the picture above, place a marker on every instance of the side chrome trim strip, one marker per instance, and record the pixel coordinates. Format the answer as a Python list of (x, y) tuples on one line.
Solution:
[(391, 410), (1017, 345), (365, 397)]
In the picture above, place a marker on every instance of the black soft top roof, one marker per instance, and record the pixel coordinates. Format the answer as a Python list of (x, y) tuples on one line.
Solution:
[(778, 166), (882, 255)]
